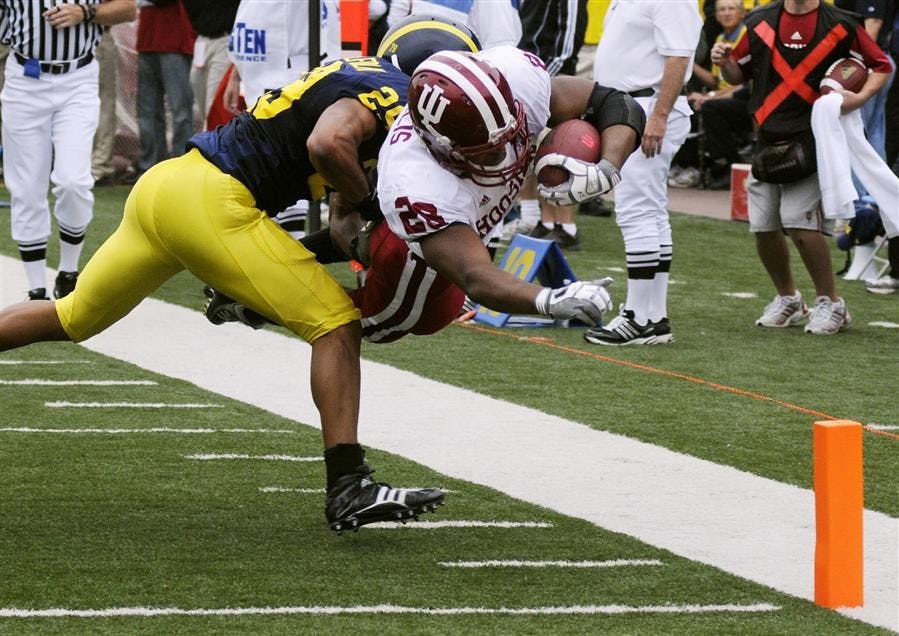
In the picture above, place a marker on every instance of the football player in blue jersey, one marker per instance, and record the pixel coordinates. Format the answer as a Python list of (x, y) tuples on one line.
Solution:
[(210, 212)]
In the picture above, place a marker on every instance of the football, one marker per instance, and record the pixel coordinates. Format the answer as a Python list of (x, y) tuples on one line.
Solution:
[(845, 74), (573, 138)]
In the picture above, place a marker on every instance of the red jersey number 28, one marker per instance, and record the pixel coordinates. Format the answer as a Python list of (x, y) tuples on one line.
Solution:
[(416, 214)]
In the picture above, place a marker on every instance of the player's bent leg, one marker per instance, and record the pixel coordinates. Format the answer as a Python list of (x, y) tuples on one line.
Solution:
[(28, 322)]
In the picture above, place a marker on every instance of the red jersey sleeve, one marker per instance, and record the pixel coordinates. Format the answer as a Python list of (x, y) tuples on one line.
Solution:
[(872, 55)]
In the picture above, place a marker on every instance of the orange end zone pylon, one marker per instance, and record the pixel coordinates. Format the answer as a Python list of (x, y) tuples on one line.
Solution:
[(839, 506)]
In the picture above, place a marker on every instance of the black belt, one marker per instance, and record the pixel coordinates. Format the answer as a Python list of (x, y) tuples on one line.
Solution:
[(649, 92), (58, 68)]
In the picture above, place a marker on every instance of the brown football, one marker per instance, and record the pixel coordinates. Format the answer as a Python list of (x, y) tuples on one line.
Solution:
[(573, 138), (845, 74)]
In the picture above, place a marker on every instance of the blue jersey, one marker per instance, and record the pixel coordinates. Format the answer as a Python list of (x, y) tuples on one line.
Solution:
[(265, 148)]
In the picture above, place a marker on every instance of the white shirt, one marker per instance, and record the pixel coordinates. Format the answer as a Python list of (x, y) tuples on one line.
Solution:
[(495, 22), (420, 197), (638, 36), (270, 42)]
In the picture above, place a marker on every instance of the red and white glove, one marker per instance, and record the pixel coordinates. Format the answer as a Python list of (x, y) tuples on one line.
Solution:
[(586, 301), (586, 181)]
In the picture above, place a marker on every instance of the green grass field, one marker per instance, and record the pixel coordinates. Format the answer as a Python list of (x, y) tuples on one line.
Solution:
[(102, 520)]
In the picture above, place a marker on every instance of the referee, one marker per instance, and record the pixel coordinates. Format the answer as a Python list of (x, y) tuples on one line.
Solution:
[(50, 110)]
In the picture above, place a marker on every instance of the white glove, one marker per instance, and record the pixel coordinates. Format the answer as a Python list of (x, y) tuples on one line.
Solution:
[(586, 301), (587, 180)]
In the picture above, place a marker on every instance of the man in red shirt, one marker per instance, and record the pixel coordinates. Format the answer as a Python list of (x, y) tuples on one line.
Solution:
[(788, 48), (165, 46)]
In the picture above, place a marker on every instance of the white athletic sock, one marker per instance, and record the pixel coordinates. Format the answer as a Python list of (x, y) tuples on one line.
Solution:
[(639, 297), (530, 212), (69, 255), (658, 307), (571, 228), (36, 272)]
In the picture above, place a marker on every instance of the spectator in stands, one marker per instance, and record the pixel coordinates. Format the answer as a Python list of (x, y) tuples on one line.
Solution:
[(553, 31), (102, 167), (165, 45), (212, 20), (723, 110)]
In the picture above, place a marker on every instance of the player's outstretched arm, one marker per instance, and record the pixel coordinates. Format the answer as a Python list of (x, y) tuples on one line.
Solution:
[(333, 147), (457, 253)]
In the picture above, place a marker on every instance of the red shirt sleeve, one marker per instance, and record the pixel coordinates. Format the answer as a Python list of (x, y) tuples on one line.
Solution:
[(741, 54), (872, 55)]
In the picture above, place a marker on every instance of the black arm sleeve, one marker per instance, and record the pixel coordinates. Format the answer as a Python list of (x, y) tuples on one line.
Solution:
[(609, 107), (319, 243)]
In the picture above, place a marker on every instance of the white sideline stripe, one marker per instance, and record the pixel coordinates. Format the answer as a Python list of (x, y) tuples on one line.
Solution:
[(2, 362), (756, 528), (129, 405), (39, 382), (614, 563), (129, 431), (439, 525), (57, 612), (271, 458), (883, 427), (888, 325), (739, 294)]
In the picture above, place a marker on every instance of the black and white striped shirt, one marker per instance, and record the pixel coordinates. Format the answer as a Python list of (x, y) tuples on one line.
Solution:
[(30, 35)]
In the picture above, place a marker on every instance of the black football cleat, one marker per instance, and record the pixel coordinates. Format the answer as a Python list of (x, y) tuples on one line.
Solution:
[(220, 309), (356, 500), (65, 284)]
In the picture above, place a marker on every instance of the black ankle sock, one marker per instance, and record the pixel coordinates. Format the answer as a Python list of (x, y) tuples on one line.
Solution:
[(343, 459)]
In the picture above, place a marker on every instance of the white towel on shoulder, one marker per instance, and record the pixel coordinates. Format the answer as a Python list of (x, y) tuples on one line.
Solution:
[(838, 137)]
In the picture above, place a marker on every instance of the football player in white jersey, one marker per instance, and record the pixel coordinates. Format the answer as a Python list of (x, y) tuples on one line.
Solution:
[(454, 163)]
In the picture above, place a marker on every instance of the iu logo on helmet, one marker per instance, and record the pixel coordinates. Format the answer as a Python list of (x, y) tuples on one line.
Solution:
[(431, 105)]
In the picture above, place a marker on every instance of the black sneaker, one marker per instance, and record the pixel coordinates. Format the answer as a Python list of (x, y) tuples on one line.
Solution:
[(623, 330), (65, 284), (540, 231), (570, 242), (662, 331), (357, 500), (38, 293), (221, 309)]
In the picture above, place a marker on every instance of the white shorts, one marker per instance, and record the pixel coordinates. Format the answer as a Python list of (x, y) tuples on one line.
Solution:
[(778, 206)]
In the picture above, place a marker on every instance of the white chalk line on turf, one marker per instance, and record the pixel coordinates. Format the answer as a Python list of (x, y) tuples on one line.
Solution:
[(128, 405), (39, 382), (271, 458), (2, 362), (739, 294), (883, 427), (137, 431), (882, 323), (307, 491), (56, 612), (493, 563), (457, 523)]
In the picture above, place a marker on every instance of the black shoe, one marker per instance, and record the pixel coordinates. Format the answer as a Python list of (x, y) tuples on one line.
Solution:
[(623, 330), (357, 500), (570, 242), (105, 181), (596, 207), (721, 182), (540, 231), (221, 309), (38, 293), (662, 331), (65, 284)]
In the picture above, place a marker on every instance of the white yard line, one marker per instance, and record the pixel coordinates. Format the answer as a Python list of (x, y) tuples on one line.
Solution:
[(495, 563), (128, 405), (39, 382), (457, 523), (140, 431), (756, 528), (269, 458), (2, 362), (305, 491), (386, 609), (887, 325)]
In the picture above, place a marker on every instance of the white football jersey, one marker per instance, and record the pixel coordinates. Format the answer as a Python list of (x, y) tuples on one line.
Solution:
[(420, 197)]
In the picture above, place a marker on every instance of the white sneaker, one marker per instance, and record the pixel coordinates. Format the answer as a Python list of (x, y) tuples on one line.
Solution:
[(783, 311), (886, 284), (688, 178), (828, 317)]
